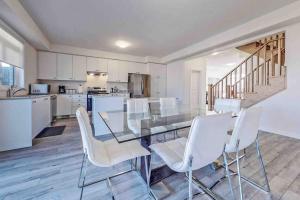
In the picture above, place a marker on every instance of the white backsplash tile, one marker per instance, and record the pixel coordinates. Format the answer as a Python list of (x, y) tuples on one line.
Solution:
[(92, 81)]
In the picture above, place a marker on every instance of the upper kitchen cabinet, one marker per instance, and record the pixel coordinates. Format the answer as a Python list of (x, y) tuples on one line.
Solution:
[(96, 64), (47, 65), (79, 68), (117, 71), (138, 68), (64, 67)]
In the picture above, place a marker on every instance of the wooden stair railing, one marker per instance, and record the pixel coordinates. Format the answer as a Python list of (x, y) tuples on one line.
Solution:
[(257, 69)]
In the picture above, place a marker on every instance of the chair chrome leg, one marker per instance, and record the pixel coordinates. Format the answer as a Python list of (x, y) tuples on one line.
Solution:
[(228, 174), (147, 174), (262, 166), (79, 180), (190, 179), (110, 188), (238, 170), (84, 174)]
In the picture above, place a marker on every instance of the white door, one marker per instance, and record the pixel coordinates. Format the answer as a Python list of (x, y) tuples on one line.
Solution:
[(79, 68), (64, 67), (195, 94), (46, 65)]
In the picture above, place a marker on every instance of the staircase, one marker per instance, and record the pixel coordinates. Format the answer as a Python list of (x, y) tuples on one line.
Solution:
[(258, 77)]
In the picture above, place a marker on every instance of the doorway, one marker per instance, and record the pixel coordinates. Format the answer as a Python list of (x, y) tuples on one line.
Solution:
[(195, 94)]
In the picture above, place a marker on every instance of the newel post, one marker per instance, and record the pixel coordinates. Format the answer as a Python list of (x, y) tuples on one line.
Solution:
[(210, 97)]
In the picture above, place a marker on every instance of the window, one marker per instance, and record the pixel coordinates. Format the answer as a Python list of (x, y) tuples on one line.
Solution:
[(11, 75), (11, 59)]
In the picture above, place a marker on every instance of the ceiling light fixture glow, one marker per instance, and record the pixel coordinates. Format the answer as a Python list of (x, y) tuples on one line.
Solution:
[(122, 44), (215, 53)]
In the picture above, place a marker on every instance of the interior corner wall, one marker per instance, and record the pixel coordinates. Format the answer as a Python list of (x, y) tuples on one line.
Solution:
[(281, 112), (30, 65)]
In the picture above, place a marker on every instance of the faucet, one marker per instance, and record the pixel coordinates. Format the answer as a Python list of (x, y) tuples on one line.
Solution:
[(12, 90)]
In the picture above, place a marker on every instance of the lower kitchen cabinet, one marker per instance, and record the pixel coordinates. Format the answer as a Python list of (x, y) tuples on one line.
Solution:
[(22, 120), (68, 104), (40, 114)]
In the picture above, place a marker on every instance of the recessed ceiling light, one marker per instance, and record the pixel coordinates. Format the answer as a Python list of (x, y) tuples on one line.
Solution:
[(215, 53), (231, 64), (122, 44)]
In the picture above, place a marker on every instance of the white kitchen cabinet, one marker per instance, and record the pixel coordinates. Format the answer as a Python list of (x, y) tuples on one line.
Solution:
[(46, 65), (68, 104), (96, 64), (138, 68), (22, 120), (78, 101), (79, 68), (117, 71), (158, 74), (40, 114), (104, 104), (64, 105), (64, 67)]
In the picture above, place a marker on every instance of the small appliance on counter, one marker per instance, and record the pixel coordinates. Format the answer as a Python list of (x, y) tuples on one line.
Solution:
[(61, 89), (39, 89)]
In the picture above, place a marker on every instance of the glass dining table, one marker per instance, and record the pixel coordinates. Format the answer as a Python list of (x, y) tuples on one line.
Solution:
[(126, 126)]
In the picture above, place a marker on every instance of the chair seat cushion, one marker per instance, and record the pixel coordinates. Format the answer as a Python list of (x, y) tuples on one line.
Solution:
[(119, 152), (171, 152)]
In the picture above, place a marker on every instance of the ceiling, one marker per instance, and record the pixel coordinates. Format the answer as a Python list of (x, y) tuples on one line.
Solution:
[(155, 28)]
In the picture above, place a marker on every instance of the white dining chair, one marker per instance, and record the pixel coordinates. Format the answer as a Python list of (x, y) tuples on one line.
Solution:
[(169, 107), (228, 105), (204, 145), (104, 153), (167, 102), (244, 134), (137, 105)]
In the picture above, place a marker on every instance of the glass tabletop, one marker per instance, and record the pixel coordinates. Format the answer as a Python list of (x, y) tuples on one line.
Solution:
[(126, 126)]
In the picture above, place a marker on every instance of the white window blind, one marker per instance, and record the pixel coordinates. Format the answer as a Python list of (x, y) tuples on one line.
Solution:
[(11, 50)]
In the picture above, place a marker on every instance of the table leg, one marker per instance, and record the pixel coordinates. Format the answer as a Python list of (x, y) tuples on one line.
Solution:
[(157, 174)]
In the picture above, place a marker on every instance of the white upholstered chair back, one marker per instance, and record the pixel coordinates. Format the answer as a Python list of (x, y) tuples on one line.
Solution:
[(227, 105), (168, 106), (139, 105), (88, 141), (245, 130), (206, 141), (167, 102)]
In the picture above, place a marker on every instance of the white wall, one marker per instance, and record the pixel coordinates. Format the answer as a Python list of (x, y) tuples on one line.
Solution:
[(179, 79), (176, 79), (282, 111)]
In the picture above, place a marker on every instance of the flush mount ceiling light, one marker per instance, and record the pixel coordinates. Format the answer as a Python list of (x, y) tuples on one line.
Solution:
[(122, 44), (215, 53)]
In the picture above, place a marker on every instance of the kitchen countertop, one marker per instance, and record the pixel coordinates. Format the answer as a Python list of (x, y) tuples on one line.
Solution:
[(24, 97)]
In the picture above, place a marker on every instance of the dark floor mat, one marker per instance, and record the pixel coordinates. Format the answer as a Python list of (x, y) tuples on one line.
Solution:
[(51, 131)]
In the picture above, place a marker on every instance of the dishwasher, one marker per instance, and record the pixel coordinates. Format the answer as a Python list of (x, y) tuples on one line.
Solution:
[(53, 104)]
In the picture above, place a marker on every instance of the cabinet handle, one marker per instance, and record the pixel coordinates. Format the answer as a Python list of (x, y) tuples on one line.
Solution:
[(33, 101)]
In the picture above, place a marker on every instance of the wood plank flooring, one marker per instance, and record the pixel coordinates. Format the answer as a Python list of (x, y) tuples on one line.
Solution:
[(50, 170)]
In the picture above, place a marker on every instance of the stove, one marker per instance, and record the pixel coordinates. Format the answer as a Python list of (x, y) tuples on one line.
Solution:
[(94, 91)]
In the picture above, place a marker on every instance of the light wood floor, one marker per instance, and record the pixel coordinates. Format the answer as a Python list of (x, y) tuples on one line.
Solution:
[(50, 170)]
